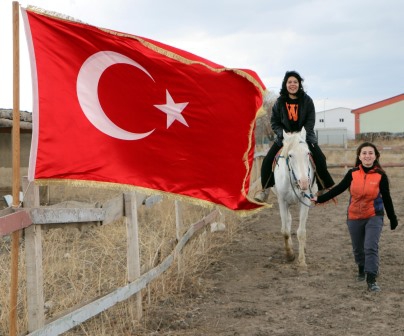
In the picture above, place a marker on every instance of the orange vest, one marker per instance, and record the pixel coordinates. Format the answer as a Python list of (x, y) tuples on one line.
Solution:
[(365, 200)]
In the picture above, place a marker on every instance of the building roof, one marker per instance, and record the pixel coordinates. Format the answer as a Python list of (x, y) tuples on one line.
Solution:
[(379, 104), (334, 109), (6, 119)]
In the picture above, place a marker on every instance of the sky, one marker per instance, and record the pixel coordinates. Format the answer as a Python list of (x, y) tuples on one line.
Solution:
[(349, 52)]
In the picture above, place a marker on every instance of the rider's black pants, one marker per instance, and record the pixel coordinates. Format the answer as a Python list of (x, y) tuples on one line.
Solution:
[(267, 176)]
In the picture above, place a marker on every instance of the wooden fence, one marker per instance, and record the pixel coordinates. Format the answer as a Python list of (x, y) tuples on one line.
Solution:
[(33, 218)]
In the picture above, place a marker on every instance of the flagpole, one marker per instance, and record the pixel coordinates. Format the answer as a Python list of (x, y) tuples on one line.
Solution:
[(16, 169)]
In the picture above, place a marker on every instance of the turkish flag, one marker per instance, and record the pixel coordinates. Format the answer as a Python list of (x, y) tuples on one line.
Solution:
[(132, 112)]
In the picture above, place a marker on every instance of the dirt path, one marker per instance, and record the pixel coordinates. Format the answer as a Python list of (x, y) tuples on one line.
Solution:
[(251, 290)]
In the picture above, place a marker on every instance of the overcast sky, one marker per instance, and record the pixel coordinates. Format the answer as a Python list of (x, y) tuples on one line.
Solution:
[(350, 52)]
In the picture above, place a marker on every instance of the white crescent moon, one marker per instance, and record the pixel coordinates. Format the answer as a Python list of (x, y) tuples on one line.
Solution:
[(87, 93)]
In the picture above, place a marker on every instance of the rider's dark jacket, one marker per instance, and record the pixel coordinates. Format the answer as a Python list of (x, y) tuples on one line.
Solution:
[(307, 118)]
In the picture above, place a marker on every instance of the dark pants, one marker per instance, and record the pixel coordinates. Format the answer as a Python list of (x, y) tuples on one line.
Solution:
[(365, 236), (267, 176)]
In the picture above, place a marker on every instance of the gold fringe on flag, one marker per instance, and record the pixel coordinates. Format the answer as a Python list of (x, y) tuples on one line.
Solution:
[(146, 191), (172, 55), (149, 45), (53, 14)]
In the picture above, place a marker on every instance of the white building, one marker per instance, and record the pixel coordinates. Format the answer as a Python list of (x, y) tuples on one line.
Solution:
[(337, 120)]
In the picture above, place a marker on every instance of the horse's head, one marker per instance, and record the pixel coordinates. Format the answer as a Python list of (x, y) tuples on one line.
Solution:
[(297, 152)]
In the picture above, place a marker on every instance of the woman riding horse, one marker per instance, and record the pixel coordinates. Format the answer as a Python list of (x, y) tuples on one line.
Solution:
[(293, 110)]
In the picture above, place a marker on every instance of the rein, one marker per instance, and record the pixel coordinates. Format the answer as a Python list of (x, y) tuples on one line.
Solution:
[(294, 184)]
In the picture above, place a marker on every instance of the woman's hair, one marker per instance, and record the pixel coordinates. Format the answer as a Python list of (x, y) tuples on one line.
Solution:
[(284, 91), (377, 153)]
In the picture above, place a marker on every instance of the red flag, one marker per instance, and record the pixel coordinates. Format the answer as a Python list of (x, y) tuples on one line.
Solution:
[(117, 108)]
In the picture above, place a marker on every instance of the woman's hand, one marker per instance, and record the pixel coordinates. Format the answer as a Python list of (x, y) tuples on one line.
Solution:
[(393, 223)]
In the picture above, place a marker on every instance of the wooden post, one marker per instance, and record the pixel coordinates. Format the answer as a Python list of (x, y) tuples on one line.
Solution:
[(33, 260), (16, 169), (133, 246), (178, 227)]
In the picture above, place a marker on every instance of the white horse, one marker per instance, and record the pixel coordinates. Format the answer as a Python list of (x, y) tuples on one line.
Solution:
[(294, 184)]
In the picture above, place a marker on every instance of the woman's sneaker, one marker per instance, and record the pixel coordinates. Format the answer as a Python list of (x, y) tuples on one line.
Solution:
[(361, 277), (372, 284), (361, 274), (262, 196), (373, 287)]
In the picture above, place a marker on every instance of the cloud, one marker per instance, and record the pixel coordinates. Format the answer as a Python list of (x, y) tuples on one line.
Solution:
[(349, 52)]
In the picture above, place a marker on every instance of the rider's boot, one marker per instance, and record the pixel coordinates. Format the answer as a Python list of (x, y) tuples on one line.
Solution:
[(262, 195)]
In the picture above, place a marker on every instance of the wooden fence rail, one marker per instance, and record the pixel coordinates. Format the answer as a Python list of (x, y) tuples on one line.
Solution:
[(33, 218), (92, 309)]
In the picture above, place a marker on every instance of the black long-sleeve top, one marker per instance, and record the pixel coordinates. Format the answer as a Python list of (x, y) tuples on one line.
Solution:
[(346, 183)]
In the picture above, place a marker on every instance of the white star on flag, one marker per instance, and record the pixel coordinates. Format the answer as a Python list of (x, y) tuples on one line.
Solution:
[(173, 110)]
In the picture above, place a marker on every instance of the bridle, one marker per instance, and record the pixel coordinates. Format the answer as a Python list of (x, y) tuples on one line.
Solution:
[(295, 185)]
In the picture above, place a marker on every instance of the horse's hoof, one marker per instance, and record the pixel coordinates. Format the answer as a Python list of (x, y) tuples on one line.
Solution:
[(290, 257), (303, 266)]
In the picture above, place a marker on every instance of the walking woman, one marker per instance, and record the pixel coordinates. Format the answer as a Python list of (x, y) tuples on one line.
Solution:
[(293, 110), (370, 195)]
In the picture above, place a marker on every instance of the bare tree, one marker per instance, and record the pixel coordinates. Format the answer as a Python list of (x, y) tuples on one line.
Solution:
[(263, 126)]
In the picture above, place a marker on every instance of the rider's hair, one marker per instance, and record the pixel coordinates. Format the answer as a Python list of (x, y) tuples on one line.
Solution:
[(284, 91)]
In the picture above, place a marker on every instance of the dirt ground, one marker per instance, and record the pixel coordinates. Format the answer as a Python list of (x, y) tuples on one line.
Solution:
[(252, 289)]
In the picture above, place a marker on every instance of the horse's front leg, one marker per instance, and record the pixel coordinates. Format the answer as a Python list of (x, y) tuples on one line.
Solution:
[(301, 234), (286, 219)]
